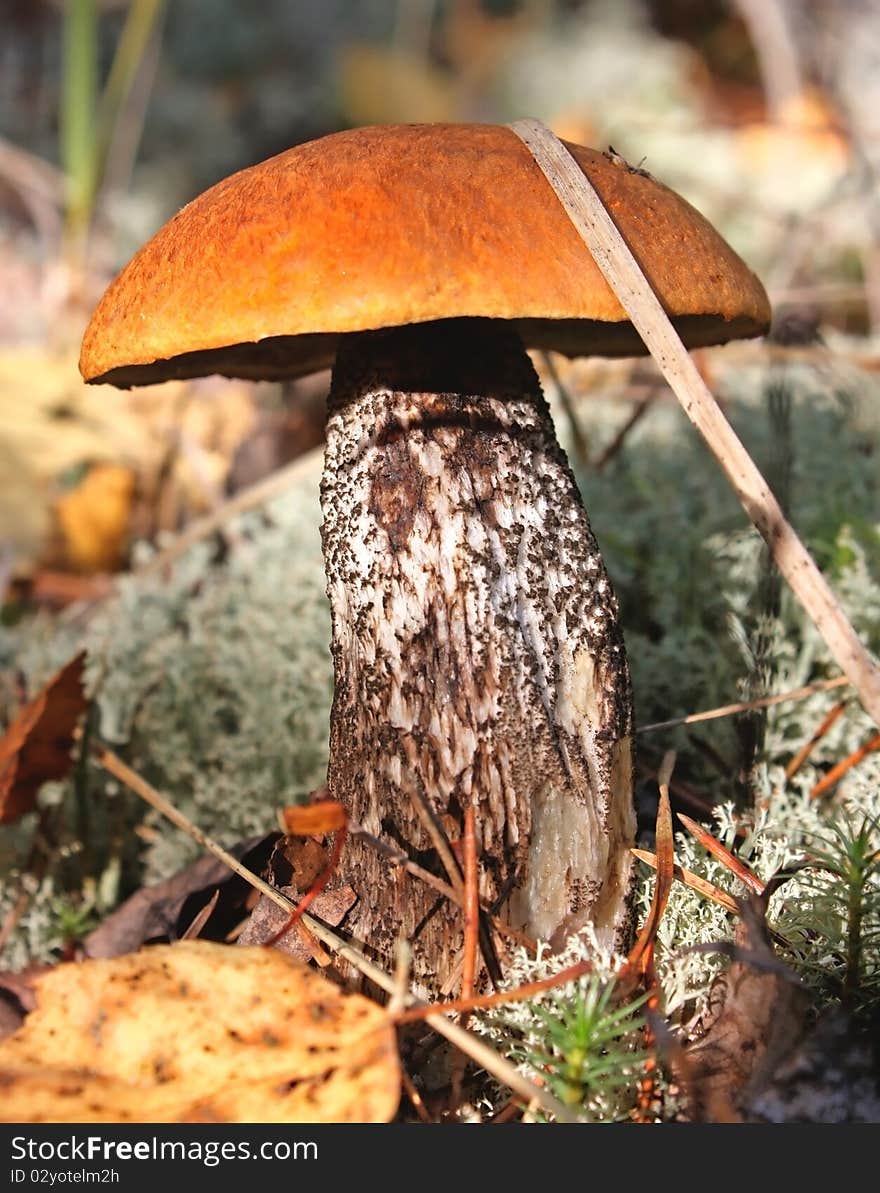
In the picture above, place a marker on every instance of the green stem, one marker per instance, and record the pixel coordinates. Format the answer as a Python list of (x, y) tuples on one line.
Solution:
[(78, 105), (140, 24)]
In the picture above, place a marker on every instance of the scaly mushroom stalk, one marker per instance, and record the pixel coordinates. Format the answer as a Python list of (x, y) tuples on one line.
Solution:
[(477, 652)]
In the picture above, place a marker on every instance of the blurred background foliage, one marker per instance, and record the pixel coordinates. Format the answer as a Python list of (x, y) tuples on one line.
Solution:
[(215, 681)]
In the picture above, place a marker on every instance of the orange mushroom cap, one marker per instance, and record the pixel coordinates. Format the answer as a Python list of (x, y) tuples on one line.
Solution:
[(390, 225)]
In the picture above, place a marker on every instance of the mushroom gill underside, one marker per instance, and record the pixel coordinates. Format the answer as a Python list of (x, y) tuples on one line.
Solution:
[(476, 648)]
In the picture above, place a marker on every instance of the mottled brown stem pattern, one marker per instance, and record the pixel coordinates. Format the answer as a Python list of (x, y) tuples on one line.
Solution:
[(477, 654)]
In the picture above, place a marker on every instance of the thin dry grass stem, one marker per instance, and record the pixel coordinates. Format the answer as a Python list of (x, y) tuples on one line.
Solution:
[(414, 1096), (480, 1052), (399, 858), (638, 413), (247, 499), (846, 764), (454, 978), (481, 1002), (578, 438), (683, 793), (694, 881), (640, 963), (618, 265), (737, 867), (806, 750), (402, 972), (441, 843), (710, 891), (729, 710), (194, 928), (648, 1094), (270, 487), (116, 767)]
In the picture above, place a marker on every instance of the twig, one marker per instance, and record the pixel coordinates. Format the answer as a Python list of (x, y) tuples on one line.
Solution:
[(414, 1096), (471, 939), (440, 841), (402, 970), (578, 438), (471, 907), (776, 51), (728, 710), (398, 858), (251, 498), (638, 413), (116, 767), (483, 1002), (682, 792), (309, 463), (806, 750), (837, 772), (484, 1056), (194, 930), (623, 273)]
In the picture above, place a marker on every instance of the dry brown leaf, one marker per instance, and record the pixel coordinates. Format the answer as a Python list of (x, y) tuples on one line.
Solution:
[(199, 1032), (267, 919), (163, 910), (829, 1077), (36, 746), (17, 997), (761, 1018)]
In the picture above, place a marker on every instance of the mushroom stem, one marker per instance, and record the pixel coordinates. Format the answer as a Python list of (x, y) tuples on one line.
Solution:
[(478, 658)]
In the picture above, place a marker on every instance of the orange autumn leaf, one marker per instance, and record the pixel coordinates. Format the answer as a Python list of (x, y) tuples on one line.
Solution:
[(313, 820), (36, 746)]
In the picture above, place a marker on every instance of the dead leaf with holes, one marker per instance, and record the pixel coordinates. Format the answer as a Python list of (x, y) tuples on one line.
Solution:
[(199, 1032), (36, 746), (760, 1015)]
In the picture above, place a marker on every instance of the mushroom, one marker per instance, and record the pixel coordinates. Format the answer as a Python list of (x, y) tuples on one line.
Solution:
[(477, 652)]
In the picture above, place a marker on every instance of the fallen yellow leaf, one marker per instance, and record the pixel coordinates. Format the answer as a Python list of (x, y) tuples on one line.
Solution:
[(199, 1032), (94, 519)]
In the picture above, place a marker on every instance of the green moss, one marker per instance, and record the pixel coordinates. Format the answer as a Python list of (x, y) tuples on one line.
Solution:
[(214, 683)]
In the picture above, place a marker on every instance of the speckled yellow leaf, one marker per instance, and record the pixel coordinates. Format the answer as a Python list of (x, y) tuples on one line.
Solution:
[(198, 1032)]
